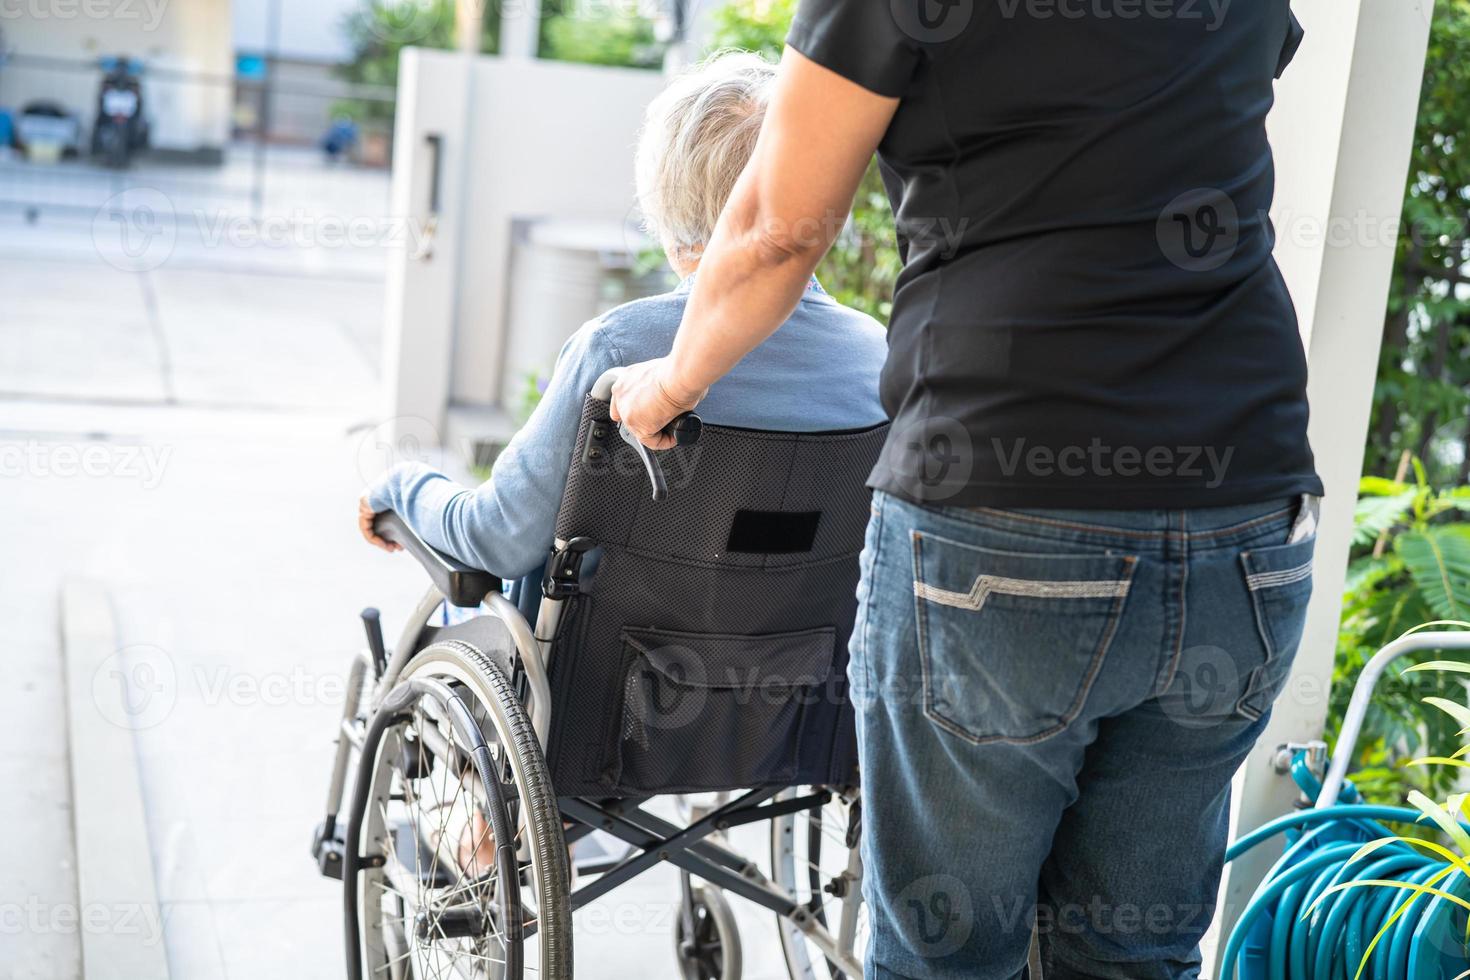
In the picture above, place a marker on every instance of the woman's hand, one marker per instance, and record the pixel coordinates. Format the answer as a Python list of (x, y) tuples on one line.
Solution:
[(646, 398), (365, 515)]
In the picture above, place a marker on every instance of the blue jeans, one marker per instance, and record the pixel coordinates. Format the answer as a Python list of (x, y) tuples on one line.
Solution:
[(1051, 705)]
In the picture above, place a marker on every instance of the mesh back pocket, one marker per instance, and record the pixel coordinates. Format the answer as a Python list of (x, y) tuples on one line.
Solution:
[(702, 711)]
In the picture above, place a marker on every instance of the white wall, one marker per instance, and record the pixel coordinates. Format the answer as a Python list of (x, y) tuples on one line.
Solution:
[(549, 140), (522, 139), (1341, 130), (169, 36), (311, 31)]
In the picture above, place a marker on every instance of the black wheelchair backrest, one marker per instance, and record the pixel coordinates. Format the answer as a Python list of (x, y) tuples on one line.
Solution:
[(706, 645)]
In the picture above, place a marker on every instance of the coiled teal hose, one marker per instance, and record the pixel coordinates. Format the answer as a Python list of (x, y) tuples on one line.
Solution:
[(1276, 939)]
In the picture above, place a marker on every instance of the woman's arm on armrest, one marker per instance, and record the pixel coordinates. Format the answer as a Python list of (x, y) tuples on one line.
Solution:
[(506, 525), (791, 201)]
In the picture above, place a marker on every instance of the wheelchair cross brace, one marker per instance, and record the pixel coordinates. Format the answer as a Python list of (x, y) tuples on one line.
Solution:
[(686, 848)]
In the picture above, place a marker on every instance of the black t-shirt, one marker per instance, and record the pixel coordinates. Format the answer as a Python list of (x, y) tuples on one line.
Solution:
[(1088, 314)]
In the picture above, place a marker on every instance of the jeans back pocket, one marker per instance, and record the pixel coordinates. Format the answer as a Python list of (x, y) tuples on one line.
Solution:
[(1279, 581), (1010, 643)]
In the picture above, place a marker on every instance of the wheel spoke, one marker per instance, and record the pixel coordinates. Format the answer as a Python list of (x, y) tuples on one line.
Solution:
[(809, 854), (456, 807), (439, 898), (402, 957)]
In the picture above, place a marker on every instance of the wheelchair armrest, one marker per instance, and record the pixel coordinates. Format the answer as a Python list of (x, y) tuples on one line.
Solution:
[(461, 585)]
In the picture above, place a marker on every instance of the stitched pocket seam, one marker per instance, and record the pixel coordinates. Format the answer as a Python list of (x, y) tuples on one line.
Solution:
[(973, 600), (985, 585), (1256, 581)]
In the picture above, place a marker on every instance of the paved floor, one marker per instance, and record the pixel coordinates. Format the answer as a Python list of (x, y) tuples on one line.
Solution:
[(225, 399)]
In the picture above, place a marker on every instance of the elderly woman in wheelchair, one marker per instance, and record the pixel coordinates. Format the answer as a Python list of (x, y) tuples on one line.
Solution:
[(687, 640)]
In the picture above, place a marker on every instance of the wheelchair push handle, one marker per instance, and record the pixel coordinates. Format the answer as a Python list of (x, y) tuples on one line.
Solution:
[(685, 430)]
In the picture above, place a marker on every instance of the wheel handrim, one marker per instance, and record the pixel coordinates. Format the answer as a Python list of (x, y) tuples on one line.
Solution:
[(809, 852), (446, 898), (437, 942)]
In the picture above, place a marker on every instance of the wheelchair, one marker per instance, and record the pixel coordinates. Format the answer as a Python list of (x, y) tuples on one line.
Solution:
[(689, 643)]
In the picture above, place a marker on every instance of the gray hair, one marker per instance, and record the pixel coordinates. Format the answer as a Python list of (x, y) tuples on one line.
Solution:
[(698, 135)]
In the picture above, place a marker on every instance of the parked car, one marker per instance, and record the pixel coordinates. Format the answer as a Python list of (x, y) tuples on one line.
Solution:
[(47, 131)]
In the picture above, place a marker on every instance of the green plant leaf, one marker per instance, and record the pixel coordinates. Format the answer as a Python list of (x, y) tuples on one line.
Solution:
[(1435, 760), (1458, 861), (1438, 560), (1457, 623), (1459, 712), (1458, 498), (1371, 847), (1374, 515), (1442, 819), (1425, 889), (1397, 913), (1437, 666), (1378, 486), (1456, 805)]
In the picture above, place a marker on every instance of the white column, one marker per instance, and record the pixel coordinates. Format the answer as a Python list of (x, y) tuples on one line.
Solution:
[(422, 290), (520, 27), (469, 24), (1342, 131)]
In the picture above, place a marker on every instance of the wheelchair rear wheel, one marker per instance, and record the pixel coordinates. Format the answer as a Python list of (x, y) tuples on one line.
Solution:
[(814, 858), (459, 867)]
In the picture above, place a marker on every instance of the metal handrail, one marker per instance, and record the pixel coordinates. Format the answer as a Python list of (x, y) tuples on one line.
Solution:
[(1352, 723)]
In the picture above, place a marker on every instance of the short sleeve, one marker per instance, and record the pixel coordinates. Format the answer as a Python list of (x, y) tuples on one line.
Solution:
[(860, 40), (1294, 34)]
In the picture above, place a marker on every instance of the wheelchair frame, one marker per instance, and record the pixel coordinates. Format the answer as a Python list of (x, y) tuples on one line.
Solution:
[(652, 839)]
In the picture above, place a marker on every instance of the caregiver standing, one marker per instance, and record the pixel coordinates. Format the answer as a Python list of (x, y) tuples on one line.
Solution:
[(1090, 555)]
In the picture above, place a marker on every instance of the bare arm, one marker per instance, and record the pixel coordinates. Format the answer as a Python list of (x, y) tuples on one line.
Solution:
[(782, 217)]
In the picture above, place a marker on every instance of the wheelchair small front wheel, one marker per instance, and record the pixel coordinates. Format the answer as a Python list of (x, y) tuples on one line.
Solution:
[(706, 940), (456, 863)]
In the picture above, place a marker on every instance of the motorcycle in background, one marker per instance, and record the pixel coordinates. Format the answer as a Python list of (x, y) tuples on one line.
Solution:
[(120, 130)]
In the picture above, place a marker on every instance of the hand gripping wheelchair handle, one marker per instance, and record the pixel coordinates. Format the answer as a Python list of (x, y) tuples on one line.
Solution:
[(459, 583), (685, 430)]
